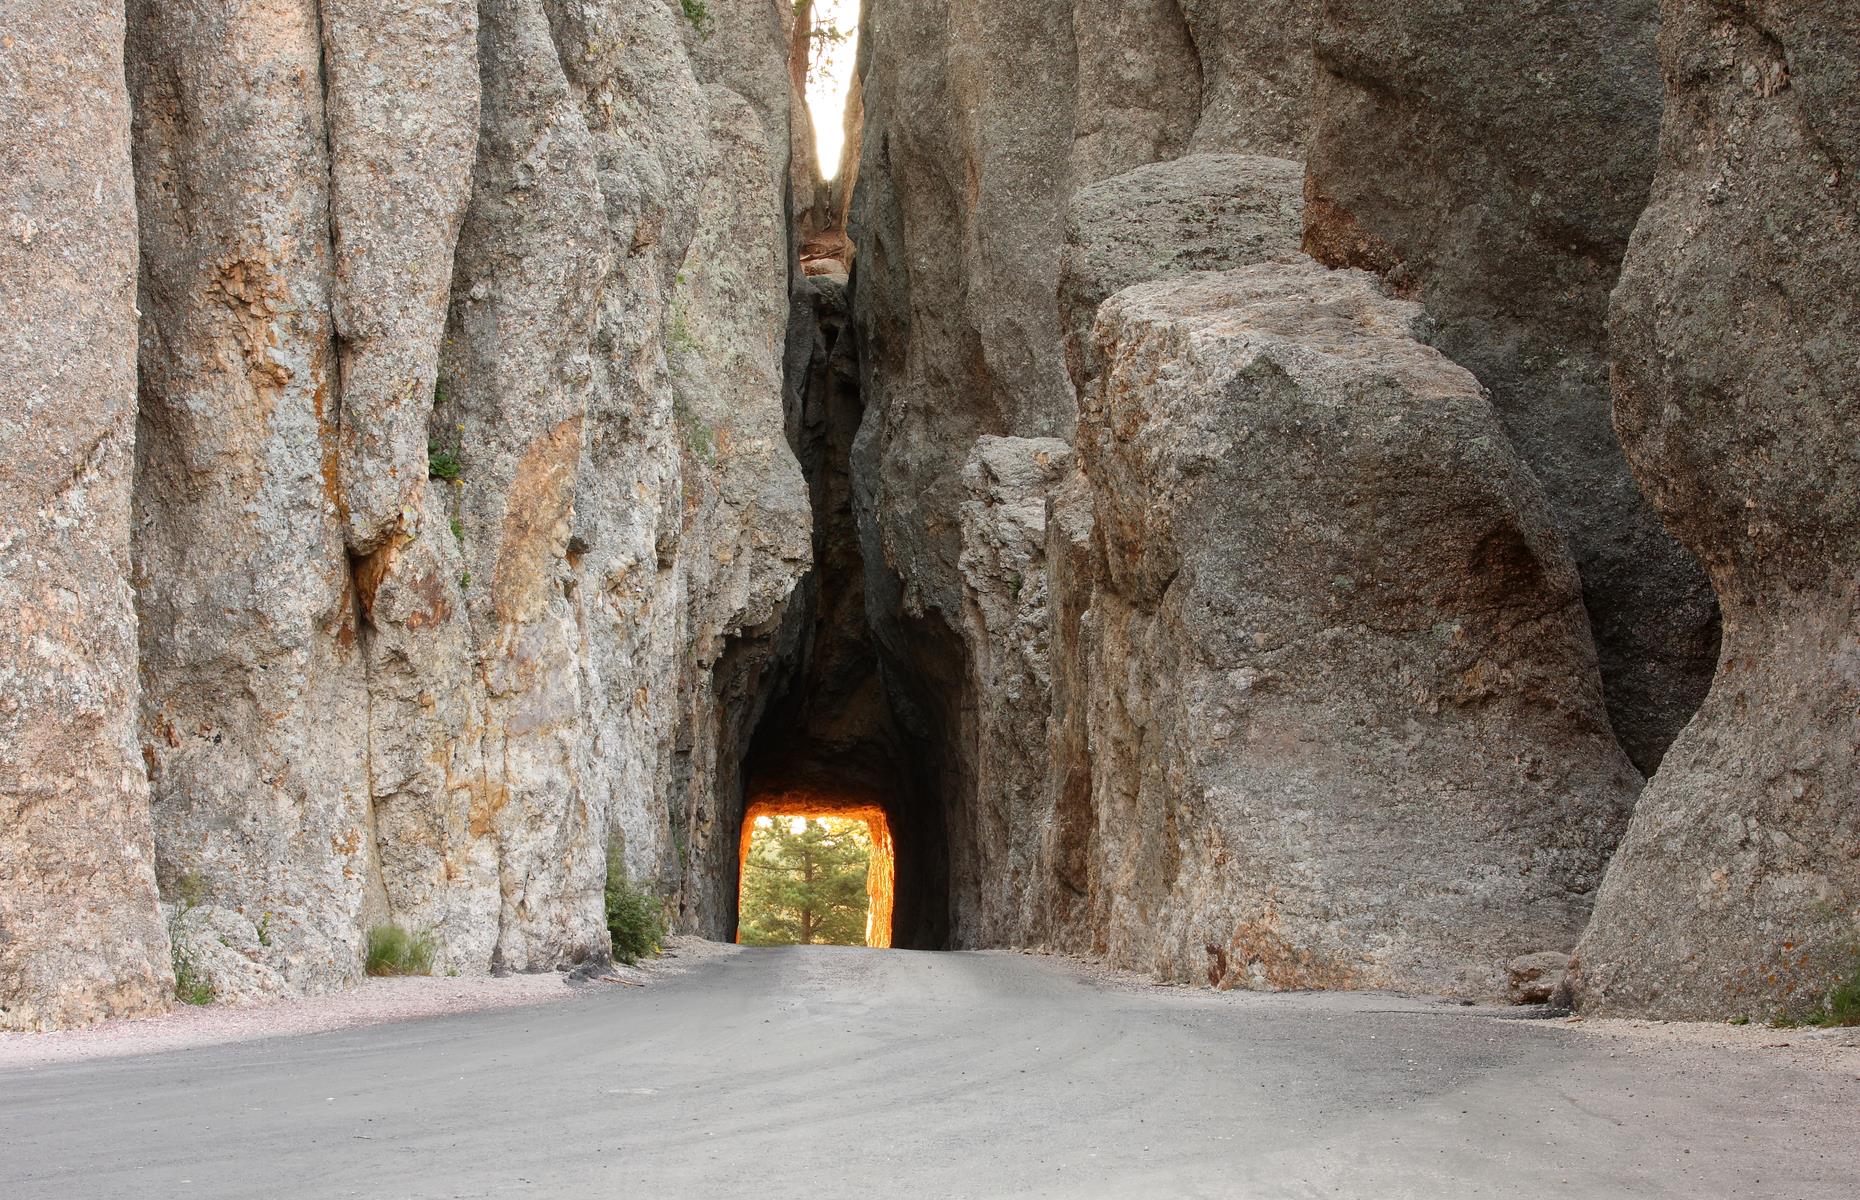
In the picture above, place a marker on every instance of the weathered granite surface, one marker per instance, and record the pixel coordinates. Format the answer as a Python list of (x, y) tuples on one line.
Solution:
[(1737, 395), (1490, 160), (981, 122), (1203, 212), (80, 938), (543, 259), (501, 503), (1344, 715)]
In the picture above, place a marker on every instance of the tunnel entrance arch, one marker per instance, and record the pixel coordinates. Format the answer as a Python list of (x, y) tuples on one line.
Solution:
[(809, 804)]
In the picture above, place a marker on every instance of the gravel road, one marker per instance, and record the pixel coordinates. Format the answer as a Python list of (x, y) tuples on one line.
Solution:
[(815, 1072)]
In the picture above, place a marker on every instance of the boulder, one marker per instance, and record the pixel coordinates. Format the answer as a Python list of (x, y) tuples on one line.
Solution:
[(222, 957), (1535, 978), (1346, 724)]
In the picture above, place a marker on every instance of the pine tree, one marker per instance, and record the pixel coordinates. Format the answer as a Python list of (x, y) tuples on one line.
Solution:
[(805, 885)]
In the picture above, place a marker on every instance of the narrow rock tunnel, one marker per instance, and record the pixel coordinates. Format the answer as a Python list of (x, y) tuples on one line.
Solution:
[(827, 710), (837, 735), (866, 698)]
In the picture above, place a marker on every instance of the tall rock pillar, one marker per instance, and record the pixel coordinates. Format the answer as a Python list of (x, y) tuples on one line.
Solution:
[(1736, 335), (80, 935)]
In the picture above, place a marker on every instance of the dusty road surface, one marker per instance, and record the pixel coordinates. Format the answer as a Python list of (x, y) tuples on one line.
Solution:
[(817, 1072)]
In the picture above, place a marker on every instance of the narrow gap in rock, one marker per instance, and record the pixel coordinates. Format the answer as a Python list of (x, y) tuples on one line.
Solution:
[(829, 741), (835, 738), (827, 101)]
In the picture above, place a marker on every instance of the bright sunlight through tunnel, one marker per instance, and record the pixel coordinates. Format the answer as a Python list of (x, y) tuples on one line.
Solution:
[(815, 869)]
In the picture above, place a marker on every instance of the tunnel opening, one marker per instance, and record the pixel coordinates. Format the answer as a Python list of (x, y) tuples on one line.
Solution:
[(833, 734), (840, 727), (822, 752), (828, 741), (815, 868)]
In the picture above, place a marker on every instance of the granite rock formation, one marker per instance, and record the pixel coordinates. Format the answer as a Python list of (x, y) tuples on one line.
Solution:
[(464, 450), (981, 125), (1201, 212), (1490, 160), (996, 872), (1737, 395), (463, 511), (1345, 721), (79, 933)]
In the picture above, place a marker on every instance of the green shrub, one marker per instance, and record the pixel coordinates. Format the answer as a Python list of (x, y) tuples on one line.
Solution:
[(635, 917), (190, 987), (1843, 1007), (394, 951), (698, 14), (442, 463)]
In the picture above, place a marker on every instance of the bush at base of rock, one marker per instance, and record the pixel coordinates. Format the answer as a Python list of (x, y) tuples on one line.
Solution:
[(394, 951)]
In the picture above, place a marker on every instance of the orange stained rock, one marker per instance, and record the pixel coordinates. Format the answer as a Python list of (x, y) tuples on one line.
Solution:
[(881, 870)]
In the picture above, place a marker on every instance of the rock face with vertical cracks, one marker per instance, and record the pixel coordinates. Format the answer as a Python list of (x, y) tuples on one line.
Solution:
[(1737, 395), (981, 122), (80, 936), (1346, 723), (996, 843), (1490, 160), (539, 252), (398, 75), (255, 701), (557, 660)]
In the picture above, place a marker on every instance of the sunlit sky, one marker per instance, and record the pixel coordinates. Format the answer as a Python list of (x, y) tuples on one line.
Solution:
[(795, 824), (826, 90)]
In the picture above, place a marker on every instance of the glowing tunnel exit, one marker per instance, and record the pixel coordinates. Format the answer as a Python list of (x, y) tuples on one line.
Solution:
[(808, 864)]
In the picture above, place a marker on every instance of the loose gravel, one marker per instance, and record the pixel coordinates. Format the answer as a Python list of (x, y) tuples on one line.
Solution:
[(375, 1002)]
